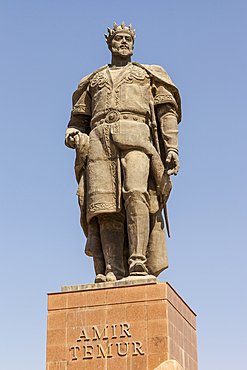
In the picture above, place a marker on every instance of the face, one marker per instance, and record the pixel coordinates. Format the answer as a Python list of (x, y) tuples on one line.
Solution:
[(122, 44)]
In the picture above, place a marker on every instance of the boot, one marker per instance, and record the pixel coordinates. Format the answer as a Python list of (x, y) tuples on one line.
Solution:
[(112, 241), (138, 235)]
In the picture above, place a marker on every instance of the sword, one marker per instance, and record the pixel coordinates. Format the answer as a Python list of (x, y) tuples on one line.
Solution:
[(154, 129)]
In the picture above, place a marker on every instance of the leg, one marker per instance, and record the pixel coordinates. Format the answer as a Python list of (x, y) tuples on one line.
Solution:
[(135, 166), (112, 241)]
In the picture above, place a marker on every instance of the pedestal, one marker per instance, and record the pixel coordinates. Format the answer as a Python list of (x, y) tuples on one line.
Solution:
[(120, 327)]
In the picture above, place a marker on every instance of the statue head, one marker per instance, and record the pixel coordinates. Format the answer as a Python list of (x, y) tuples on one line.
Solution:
[(120, 40)]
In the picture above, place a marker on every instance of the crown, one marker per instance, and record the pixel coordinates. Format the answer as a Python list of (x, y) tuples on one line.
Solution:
[(117, 29)]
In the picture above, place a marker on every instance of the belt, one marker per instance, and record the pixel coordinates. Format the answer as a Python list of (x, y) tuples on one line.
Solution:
[(115, 116)]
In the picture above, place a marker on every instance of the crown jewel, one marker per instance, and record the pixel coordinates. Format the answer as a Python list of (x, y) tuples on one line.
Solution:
[(117, 29)]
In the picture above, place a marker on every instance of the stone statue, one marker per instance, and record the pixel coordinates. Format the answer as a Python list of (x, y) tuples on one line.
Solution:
[(124, 128)]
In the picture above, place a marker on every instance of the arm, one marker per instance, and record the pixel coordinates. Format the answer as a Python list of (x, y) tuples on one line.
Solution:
[(78, 124), (80, 115), (168, 108), (167, 117)]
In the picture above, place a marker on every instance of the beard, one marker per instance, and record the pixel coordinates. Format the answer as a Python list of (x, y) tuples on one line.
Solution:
[(122, 51)]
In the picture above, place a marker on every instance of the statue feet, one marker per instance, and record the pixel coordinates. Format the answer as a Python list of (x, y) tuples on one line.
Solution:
[(100, 278), (110, 276), (138, 269)]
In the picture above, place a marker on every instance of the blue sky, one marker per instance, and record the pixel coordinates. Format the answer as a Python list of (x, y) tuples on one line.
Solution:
[(46, 48)]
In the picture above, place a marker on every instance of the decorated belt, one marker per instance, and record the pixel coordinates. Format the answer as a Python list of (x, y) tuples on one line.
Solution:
[(114, 116)]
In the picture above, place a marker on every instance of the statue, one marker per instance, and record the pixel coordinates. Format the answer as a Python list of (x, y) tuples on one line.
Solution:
[(124, 128)]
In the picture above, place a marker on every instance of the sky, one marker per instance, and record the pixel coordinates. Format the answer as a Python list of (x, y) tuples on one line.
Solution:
[(46, 48)]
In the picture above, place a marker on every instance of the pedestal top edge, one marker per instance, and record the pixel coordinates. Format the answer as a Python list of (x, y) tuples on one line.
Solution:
[(113, 284)]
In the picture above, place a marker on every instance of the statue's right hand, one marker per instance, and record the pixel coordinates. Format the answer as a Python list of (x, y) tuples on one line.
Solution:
[(70, 135)]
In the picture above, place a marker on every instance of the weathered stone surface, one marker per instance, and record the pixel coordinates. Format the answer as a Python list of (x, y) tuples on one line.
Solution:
[(124, 127)]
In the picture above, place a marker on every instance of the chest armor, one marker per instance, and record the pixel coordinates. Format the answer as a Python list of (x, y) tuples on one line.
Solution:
[(129, 91)]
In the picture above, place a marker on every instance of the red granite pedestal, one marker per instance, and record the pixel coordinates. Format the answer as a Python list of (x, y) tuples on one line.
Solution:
[(129, 327)]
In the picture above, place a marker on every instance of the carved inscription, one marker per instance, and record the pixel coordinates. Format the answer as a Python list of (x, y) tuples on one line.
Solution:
[(89, 346)]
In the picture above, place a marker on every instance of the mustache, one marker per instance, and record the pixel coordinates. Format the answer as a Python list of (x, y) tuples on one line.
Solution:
[(124, 46)]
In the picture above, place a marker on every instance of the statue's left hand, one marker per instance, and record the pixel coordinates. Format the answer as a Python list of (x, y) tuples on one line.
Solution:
[(172, 163)]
